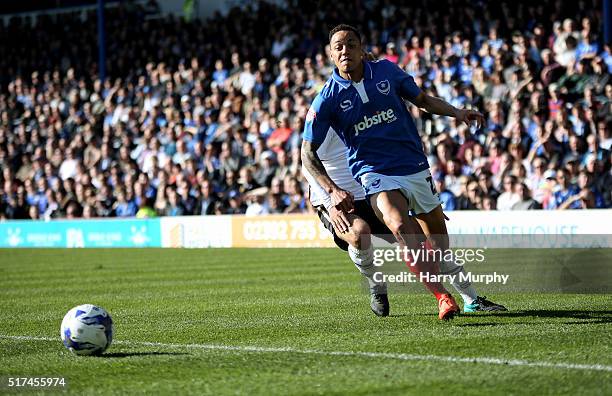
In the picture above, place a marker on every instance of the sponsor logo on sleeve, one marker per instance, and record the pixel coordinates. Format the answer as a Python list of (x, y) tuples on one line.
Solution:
[(311, 115)]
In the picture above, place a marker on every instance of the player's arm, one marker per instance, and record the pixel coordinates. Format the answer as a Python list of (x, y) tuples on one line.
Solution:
[(316, 128), (340, 198), (434, 105), (313, 164), (337, 217), (410, 91)]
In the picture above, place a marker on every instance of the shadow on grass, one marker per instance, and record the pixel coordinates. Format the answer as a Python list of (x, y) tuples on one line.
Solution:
[(131, 354), (487, 324), (592, 316), (580, 316)]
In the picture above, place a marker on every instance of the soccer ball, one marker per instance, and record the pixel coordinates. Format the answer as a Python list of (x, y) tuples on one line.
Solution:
[(87, 330)]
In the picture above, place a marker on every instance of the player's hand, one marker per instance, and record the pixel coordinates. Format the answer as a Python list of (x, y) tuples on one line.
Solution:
[(342, 200), (470, 116), (339, 220)]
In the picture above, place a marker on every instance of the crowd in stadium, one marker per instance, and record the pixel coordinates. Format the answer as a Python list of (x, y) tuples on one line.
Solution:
[(205, 117)]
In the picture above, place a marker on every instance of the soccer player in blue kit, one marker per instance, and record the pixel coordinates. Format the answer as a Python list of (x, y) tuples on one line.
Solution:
[(363, 102)]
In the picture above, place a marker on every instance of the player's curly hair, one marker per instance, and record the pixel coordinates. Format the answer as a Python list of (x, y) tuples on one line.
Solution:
[(344, 27)]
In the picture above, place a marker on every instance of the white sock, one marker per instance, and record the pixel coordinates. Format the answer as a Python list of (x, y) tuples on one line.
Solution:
[(364, 261), (464, 288)]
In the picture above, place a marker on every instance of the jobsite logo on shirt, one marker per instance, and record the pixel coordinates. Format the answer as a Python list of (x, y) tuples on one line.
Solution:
[(387, 116)]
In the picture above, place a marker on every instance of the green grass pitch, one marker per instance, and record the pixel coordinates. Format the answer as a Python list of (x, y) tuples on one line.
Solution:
[(286, 321)]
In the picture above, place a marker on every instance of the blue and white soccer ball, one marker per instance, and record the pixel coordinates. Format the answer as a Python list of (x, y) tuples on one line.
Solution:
[(87, 330)]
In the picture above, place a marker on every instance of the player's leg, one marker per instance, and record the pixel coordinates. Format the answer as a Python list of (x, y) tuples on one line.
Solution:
[(392, 208), (438, 239), (413, 230), (433, 224), (361, 252), (356, 241)]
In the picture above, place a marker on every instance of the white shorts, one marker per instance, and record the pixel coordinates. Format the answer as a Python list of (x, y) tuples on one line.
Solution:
[(418, 189)]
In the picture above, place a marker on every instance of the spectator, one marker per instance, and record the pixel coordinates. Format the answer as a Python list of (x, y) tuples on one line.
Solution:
[(73, 210), (296, 199), (173, 206), (145, 209), (16, 208), (266, 171), (256, 205), (220, 74), (585, 182), (475, 195), (488, 203), (451, 181), (68, 169), (187, 200), (277, 140), (509, 197), (208, 199), (391, 54), (89, 212), (526, 202), (33, 213), (536, 180), (485, 184), (564, 190), (236, 204), (165, 123), (604, 134), (52, 209), (584, 199), (246, 181), (446, 197), (463, 201), (122, 207)]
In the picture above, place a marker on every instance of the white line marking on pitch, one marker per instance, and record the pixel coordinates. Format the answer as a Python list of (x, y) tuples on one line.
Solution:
[(396, 356)]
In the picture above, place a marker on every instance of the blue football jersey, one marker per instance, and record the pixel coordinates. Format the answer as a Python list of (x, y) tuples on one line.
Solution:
[(372, 120)]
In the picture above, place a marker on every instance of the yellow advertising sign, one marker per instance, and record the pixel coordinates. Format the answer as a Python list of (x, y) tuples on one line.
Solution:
[(280, 231)]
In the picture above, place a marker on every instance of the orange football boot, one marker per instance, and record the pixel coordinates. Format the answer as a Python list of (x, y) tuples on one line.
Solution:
[(448, 307)]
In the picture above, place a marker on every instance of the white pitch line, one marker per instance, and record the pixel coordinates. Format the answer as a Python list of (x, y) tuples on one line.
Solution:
[(376, 355)]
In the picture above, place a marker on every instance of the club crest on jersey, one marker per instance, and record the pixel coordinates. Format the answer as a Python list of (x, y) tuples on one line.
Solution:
[(383, 87), (346, 105)]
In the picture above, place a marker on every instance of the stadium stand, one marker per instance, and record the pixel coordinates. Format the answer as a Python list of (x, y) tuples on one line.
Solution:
[(205, 117)]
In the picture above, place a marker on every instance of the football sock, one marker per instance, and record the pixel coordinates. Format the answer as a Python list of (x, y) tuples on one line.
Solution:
[(464, 288), (364, 261)]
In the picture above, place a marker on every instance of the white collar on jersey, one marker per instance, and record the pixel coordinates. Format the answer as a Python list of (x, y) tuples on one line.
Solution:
[(347, 83)]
